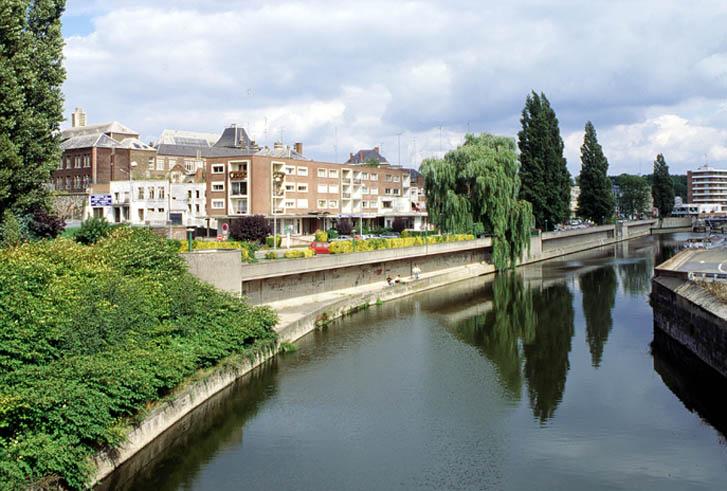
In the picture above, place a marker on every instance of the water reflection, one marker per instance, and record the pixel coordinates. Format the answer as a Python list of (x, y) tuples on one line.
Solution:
[(526, 334), (599, 294)]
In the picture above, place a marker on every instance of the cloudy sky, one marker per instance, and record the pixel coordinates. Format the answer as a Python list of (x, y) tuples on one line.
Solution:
[(338, 76)]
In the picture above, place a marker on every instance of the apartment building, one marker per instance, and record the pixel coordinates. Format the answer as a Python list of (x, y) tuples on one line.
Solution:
[(707, 185)]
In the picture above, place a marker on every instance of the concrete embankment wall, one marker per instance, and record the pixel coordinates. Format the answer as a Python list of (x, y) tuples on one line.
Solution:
[(693, 317)]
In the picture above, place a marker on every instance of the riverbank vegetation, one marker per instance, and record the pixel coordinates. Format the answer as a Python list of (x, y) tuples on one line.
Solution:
[(91, 336), (475, 188), (347, 246)]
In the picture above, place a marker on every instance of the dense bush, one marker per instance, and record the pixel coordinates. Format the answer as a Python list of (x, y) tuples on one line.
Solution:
[(344, 227), (92, 230), (44, 225), (298, 253), (398, 225), (247, 249), (332, 233), (91, 335), (345, 246), (321, 236), (10, 232), (271, 255), (269, 240), (250, 228)]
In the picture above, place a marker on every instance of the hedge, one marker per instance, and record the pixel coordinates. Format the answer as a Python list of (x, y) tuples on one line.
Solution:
[(297, 253), (247, 249), (347, 246), (91, 335)]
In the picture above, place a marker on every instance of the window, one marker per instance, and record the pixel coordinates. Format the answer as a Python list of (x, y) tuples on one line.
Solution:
[(140, 193), (68, 162), (374, 191), (60, 164), (239, 188), (302, 188), (396, 178), (333, 188), (374, 177), (160, 164), (386, 204), (387, 191), (160, 210), (87, 161), (322, 188), (218, 187), (322, 203), (172, 163), (218, 169), (289, 169), (189, 165), (365, 176), (218, 204), (290, 187), (396, 191), (150, 193), (374, 205), (364, 189), (77, 162), (388, 177), (302, 171), (189, 194), (197, 194), (365, 204), (302, 203), (333, 173), (322, 172), (196, 208), (289, 203), (333, 203), (160, 192), (150, 163), (140, 212)]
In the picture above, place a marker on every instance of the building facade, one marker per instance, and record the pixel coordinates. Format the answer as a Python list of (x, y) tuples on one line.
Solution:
[(707, 185)]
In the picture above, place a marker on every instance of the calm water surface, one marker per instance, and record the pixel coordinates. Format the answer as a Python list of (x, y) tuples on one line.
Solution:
[(541, 379)]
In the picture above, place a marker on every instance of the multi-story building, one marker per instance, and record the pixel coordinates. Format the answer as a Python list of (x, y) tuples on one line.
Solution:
[(707, 185)]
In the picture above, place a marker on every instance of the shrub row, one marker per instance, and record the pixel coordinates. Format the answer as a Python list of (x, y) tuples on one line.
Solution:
[(345, 246), (91, 335), (247, 249), (298, 253)]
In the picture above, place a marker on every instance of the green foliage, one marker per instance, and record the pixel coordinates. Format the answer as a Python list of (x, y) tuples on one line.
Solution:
[(679, 183), (321, 236), (662, 189), (269, 240), (346, 246), (271, 255), (543, 171), (478, 183), (332, 233), (92, 230), (31, 103), (91, 335), (299, 253), (10, 234), (634, 194), (247, 249), (595, 201), (253, 228)]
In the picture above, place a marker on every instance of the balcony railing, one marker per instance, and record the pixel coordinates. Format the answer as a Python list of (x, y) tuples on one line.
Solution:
[(238, 175), (346, 195)]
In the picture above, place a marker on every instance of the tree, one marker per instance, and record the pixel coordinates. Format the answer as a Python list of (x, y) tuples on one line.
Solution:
[(595, 201), (543, 172), (634, 194), (254, 228), (662, 189), (476, 186), (31, 103)]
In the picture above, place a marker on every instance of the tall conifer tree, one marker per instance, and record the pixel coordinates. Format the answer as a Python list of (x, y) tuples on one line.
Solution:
[(31, 102), (543, 171), (662, 188), (595, 201)]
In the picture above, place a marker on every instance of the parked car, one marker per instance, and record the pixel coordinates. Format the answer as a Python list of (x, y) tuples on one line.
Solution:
[(320, 247)]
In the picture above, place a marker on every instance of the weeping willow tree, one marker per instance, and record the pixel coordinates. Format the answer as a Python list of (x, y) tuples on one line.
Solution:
[(475, 188)]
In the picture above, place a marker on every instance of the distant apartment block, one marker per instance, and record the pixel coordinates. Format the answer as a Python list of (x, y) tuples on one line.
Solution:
[(707, 185)]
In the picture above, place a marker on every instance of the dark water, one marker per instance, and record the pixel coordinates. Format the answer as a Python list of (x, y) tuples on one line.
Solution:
[(542, 379)]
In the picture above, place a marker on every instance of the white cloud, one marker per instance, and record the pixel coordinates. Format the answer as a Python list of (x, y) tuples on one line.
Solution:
[(372, 69)]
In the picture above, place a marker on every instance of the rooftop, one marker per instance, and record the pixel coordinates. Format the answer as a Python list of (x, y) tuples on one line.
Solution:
[(95, 129), (366, 155)]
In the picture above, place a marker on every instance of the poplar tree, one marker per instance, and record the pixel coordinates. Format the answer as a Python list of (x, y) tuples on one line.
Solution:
[(543, 171), (595, 201), (662, 188), (31, 102), (476, 186)]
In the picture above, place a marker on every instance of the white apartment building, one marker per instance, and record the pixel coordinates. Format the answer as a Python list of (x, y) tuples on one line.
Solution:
[(707, 185), (154, 203)]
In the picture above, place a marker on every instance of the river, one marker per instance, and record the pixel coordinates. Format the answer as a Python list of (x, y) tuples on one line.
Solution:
[(540, 379)]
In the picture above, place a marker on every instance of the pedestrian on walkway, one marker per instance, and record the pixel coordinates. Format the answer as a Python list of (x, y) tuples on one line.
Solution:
[(416, 271)]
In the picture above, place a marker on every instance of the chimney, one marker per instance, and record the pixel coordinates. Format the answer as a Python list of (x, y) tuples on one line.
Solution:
[(376, 149), (278, 145), (78, 118), (299, 148)]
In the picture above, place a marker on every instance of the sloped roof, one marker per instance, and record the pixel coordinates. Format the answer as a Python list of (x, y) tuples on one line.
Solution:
[(112, 127), (233, 137), (194, 151), (184, 137), (366, 155), (98, 140), (134, 144), (280, 153)]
